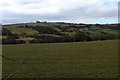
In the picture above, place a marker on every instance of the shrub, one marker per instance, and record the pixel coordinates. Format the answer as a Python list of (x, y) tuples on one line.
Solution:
[(12, 41)]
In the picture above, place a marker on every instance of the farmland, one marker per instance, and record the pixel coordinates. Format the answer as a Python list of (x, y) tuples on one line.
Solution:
[(95, 59), (54, 32)]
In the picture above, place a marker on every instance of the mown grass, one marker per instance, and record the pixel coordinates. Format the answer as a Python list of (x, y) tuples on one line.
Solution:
[(97, 59)]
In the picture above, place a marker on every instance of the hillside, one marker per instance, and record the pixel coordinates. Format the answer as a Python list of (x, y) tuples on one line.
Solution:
[(46, 32)]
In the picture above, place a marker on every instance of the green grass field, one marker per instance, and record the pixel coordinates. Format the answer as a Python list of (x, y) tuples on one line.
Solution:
[(22, 30), (111, 32), (97, 59), (3, 37)]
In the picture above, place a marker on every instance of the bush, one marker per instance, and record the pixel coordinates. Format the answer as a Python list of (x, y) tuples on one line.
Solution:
[(12, 41), (45, 30), (80, 36), (6, 32)]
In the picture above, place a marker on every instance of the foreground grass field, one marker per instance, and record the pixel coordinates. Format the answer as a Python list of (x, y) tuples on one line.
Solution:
[(96, 59)]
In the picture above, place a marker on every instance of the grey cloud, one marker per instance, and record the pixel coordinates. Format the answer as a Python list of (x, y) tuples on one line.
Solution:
[(78, 13)]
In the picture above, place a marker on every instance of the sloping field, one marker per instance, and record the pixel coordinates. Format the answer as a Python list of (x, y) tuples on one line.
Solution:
[(23, 31), (96, 59)]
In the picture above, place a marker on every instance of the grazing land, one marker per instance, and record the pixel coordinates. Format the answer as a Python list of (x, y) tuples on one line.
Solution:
[(54, 32), (95, 59)]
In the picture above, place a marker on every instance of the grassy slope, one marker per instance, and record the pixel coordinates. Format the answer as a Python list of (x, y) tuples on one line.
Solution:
[(112, 32), (62, 60), (3, 37), (22, 30), (13, 28), (33, 24)]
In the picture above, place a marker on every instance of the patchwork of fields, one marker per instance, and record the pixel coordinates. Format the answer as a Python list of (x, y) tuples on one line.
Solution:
[(54, 32), (97, 59)]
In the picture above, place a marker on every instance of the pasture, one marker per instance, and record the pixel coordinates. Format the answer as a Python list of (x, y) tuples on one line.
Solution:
[(96, 59), (23, 31)]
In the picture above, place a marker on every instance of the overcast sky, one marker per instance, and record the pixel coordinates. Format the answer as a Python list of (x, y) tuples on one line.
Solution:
[(74, 11)]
